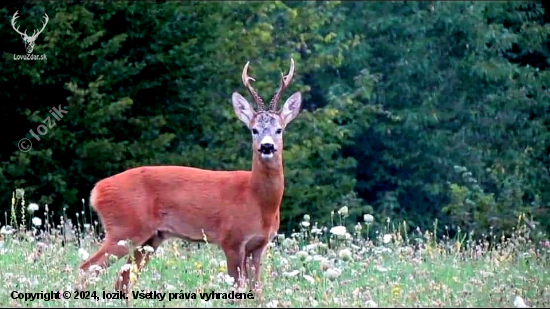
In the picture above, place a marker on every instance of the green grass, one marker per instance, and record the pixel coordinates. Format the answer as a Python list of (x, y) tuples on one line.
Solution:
[(408, 270)]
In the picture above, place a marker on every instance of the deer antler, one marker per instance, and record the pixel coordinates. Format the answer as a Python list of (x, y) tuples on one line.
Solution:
[(43, 26), (254, 93), (285, 81), (13, 24)]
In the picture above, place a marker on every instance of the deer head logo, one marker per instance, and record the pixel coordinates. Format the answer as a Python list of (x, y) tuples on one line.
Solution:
[(29, 40)]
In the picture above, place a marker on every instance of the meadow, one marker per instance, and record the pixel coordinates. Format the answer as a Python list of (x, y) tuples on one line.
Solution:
[(314, 267)]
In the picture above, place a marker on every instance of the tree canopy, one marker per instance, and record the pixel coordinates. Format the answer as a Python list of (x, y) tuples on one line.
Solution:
[(412, 111)]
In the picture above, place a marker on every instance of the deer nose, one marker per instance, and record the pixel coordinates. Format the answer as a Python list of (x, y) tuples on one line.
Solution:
[(267, 145), (267, 148)]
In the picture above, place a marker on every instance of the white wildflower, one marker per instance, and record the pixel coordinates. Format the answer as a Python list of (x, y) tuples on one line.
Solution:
[(311, 247), (122, 243), (95, 268), (345, 254), (7, 230), (302, 255), (83, 254), (149, 249), (306, 218), (291, 274), (126, 267), (272, 304), (368, 218), (32, 207), (332, 273), (338, 230), (381, 269), (170, 287), (36, 221), (371, 304), (387, 238), (288, 243), (160, 251), (380, 250), (519, 302), (316, 231), (325, 264), (343, 211), (309, 279), (305, 224), (318, 258), (229, 280)]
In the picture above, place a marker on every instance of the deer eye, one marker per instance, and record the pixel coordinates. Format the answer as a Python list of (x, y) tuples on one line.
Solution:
[(279, 131), (254, 131)]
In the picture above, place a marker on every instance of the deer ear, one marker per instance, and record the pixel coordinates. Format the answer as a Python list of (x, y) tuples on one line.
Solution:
[(242, 108), (291, 108)]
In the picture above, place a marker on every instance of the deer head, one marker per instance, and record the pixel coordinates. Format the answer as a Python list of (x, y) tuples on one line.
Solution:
[(29, 40), (267, 125)]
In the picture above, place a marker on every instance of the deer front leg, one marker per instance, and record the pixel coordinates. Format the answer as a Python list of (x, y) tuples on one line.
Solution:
[(256, 268), (235, 256)]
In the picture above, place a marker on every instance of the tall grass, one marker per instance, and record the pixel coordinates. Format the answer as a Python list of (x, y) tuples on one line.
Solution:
[(315, 267)]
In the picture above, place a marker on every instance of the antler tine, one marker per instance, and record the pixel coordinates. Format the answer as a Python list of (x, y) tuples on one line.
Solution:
[(254, 93), (13, 24), (43, 25), (285, 81)]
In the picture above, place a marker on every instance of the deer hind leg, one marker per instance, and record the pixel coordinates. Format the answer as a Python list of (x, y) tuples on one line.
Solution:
[(101, 259), (141, 258)]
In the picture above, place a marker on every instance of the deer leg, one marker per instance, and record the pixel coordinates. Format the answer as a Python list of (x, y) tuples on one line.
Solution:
[(101, 259), (256, 266), (236, 263), (141, 257)]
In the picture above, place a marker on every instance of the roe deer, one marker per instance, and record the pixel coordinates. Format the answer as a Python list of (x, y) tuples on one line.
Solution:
[(236, 210)]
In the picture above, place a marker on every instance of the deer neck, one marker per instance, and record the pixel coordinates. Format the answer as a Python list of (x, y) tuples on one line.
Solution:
[(267, 183)]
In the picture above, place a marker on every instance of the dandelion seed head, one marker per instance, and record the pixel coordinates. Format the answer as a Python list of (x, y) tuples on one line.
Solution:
[(368, 218), (332, 273), (338, 230), (32, 207), (36, 221), (83, 254), (345, 254), (343, 211), (122, 243)]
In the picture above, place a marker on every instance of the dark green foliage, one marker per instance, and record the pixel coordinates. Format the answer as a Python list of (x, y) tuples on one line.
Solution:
[(412, 110)]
